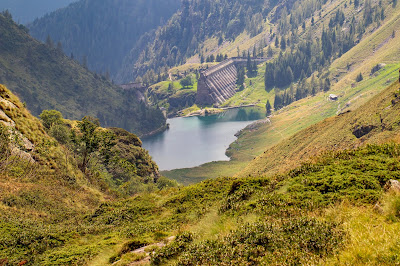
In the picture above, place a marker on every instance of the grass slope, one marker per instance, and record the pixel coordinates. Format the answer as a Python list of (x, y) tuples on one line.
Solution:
[(334, 133), (314, 214)]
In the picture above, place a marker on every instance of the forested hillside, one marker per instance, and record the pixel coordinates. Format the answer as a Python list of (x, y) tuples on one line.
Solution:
[(185, 32), (103, 32), (25, 11), (45, 78)]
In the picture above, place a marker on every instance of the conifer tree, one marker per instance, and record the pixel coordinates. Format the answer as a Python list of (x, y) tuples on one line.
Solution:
[(276, 42), (49, 42), (268, 108)]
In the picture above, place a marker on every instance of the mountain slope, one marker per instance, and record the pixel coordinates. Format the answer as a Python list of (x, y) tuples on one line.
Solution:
[(103, 31), (376, 46), (47, 79), (43, 184), (323, 210), (186, 32), (25, 11), (375, 122)]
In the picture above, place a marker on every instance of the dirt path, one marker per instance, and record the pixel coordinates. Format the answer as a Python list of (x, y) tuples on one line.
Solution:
[(142, 250)]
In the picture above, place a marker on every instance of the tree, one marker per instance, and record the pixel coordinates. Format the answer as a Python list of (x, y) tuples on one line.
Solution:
[(283, 43), (49, 42), (59, 47), (85, 61), (88, 141), (327, 84), (240, 77), (270, 53), (170, 87), (186, 82), (268, 108), (276, 42), (359, 77), (50, 118)]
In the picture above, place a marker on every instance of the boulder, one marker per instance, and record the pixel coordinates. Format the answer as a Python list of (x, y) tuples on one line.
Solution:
[(392, 185)]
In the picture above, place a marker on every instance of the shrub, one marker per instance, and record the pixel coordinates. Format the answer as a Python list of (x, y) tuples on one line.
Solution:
[(60, 132), (359, 77), (50, 118), (298, 240), (180, 244)]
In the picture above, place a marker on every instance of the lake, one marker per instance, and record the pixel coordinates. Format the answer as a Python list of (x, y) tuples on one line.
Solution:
[(192, 141)]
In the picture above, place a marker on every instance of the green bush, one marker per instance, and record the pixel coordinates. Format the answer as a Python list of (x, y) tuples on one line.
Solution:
[(180, 244), (259, 243), (50, 118)]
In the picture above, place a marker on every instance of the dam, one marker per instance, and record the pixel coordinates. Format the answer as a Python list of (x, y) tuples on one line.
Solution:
[(218, 83)]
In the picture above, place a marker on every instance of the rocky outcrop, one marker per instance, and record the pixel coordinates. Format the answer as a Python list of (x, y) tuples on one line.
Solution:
[(392, 185), (20, 145), (138, 89), (218, 84)]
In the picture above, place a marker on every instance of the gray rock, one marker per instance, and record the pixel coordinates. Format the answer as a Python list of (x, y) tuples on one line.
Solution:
[(392, 185)]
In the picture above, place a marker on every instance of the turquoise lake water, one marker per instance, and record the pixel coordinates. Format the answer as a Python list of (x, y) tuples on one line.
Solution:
[(192, 141)]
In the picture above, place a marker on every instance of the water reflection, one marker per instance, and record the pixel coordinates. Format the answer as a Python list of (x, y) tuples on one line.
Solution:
[(196, 140)]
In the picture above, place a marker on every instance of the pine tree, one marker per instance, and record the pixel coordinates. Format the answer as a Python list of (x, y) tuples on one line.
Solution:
[(276, 42), (283, 43), (84, 61), (59, 47), (268, 108), (359, 77), (49, 42), (270, 53)]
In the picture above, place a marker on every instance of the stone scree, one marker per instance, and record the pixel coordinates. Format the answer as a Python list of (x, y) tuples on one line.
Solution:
[(218, 84)]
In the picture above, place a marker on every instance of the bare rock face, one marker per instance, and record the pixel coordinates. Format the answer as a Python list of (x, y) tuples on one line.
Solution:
[(392, 185), (5, 120), (20, 146)]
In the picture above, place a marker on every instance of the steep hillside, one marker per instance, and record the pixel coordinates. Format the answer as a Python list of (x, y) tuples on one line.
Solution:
[(375, 122), (54, 173), (25, 11), (378, 45), (188, 30), (45, 78), (314, 214), (103, 31)]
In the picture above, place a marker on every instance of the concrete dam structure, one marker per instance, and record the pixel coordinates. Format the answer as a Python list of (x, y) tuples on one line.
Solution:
[(218, 83)]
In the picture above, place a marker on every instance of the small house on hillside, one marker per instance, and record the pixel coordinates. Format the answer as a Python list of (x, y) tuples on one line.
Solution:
[(333, 97)]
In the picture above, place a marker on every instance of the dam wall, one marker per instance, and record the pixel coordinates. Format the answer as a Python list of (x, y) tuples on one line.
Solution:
[(218, 83)]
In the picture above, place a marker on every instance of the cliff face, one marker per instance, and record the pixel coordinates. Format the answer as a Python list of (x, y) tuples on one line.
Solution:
[(218, 84)]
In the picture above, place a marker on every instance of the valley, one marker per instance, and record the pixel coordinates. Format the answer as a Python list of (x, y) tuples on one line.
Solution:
[(201, 132)]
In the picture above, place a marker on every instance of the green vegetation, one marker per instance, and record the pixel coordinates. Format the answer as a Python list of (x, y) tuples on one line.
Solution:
[(46, 79), (195, 24), (310, 214), (119, 27), (50, 189), (310, 185), (174, 95)]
